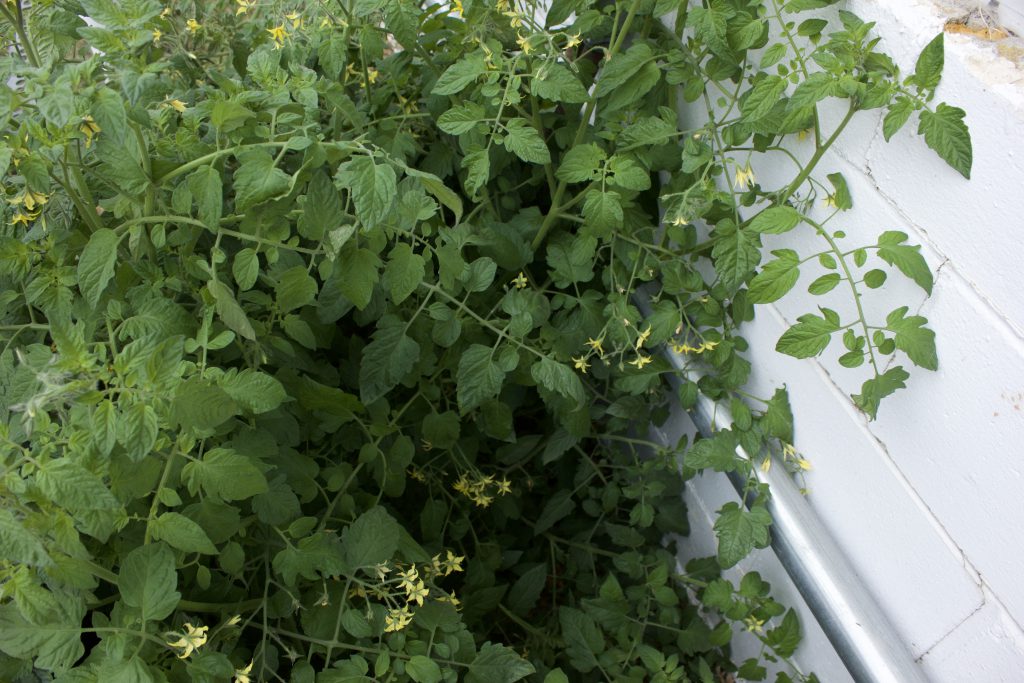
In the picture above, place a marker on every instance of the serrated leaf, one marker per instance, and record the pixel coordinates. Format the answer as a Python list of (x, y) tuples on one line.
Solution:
[(581, 164), (370, 540), (230, 313), (54, 646), (312, 557), (294, 289), (96, 265), (602, 212), (525, 142), (763, 97), (478, 169), (913, 338), (224, 474), (945, 132), (182, 533), (735, 253), (138, 429), (255, 391), (423, 669), (257, 179), (386, 360), (208, 192), (372, 185), (877, 388), (461, 119), (739, 531), (148, 581), (246, 268), (908, 260), (479, 377), (498, 664), (404, 272), (807, 338), (558, 378), (361, 268), (841, 196), (70, 485), (776, 278), (321, 212), (459, 75), (618, 71), (558, 84), (898, 114), (928, 70), (776, 220), (18, 544), (816, 87), (717, 453), (104, 427)]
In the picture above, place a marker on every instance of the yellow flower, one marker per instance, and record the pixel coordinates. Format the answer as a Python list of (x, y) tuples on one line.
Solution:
[(178, 105), (453, 562), (581, 364), (157, 35), (573, 41), (754, 624), (193, 26), (193, 639), (504, 487), (744, 177), (483, 501), (382, 570), (373, 74), (166, 12), (242, 675), (644, 336), (524, 44), (417, 593), (788, 450), (457, 6), (295, 18), (707, 346), (803, 464), (595, 344), (23, 218), (397, 619), (278, 34), (451, 600), (684, 348), (234, 621), (766, 464), (30, 200), (680, 220), (516, 20), (802, 135), (89, 129), (830, 202), (244, 6), (409, 579), (641, 361), (520, 281)]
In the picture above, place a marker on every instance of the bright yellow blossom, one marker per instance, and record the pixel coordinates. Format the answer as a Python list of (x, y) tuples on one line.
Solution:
[(520, 281), (191, 640), (595, 344), (373, 74), (177, 105), (641, 361), (453, 562), (30, 200), (242, 675), (409, 578), (580, 363), (157, 35), (680, 220), (417, 593), (459, 9), (574, 40), (766, 464), (193, 26), (295, 18), (644, 336), (23, 218), (382, 570), (166, 12), (803, 464), (397, 619), (504, 487), (451, 600), (89, 129), (524, 44), (278, 35), (244, 6), (744, 177)]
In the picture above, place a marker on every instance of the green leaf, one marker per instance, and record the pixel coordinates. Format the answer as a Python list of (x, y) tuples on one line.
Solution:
[(56, 646), (559, 378), (479, 377), (311, 557), (525, 142), (182, 533), (208, 192), (294, 289), (200, 405), (104, 427), (556, 83), (711, 26), (478, 275), (96, 265), (898, 114), (18, 544), (572, 259), (778, 416), (70, 485), (423, 669), (497, 664), (735, 253), (558, 507), (739, 531), (841, 196), (928, 70), (230, 313), (370, 540), (602, 212), (148, 581), (807, 338), (138, 430), (255, 391), (776, 220), (618, 71), (785, 637), (459, 75), (361, 268), (373, 187), (441, 192), (257, 179), (333, 54), (386, 360), (877, 388), (776, 278), (556, 676), (224, 474), (913, 338), (321, 212), (404, 272), (246, 268), (582, 636), (478, 169), (581, 164), (718, 453), (441, 429), (945, 132), (461, 118), (763, 97), (824, 284), (647, 130), (628, 174), (773, 55), (906, 258)]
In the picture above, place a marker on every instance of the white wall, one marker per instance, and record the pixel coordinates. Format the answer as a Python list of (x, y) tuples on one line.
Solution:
[(926, 501)]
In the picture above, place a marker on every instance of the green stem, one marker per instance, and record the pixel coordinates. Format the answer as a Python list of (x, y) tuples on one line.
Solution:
[(155, 505), (207, 159), (19, 28), (818, 154)]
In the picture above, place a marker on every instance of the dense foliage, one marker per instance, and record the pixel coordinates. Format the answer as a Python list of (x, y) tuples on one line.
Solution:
[(322, 359)]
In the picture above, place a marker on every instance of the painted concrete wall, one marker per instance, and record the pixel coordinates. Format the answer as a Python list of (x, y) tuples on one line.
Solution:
[(927, 500)]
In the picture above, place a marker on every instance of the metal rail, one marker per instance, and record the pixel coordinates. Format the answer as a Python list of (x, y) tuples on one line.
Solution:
[(863, 637)]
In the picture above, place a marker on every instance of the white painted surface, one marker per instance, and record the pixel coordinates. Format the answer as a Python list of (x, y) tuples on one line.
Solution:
[(926, 501)]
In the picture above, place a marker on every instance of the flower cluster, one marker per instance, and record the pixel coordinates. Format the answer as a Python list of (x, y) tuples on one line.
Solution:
[(191, 640), (483, 489)]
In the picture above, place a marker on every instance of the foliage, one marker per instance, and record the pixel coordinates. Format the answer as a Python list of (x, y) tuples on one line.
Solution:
[(322, 359)]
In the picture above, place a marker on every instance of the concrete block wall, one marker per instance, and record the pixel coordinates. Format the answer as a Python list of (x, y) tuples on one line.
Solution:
[(927, 500)]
